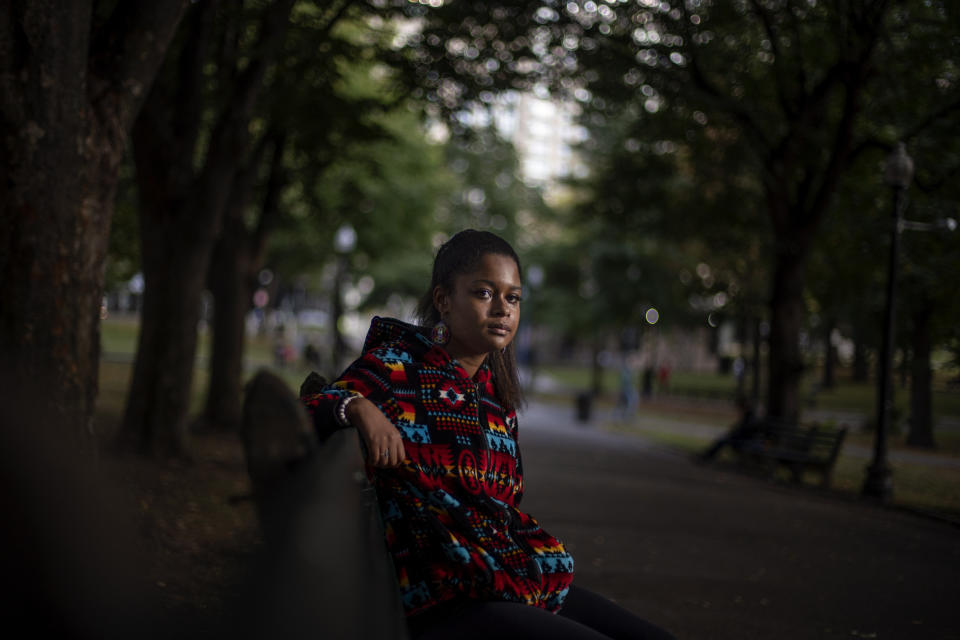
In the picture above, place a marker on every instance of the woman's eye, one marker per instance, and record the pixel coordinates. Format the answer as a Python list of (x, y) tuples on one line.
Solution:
[(484, 293), (514, 299)]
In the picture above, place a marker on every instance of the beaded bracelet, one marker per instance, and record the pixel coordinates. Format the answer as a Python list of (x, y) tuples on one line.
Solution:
[(340, 413)]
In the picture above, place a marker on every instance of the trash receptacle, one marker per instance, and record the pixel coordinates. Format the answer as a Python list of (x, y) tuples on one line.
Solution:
[(584, 400)]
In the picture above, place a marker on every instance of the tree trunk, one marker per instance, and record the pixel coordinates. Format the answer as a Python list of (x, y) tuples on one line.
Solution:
[(904, 368), (829, 356), (756, 365), (231, 274), (237, 259), (181, 212), (921, 413), (861, 368), (159, 398), (786, 315), (178, 230), (54, 241), (67, 100)]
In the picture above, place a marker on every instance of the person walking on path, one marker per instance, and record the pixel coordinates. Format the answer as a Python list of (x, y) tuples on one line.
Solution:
[(627, 396), (435, 407)]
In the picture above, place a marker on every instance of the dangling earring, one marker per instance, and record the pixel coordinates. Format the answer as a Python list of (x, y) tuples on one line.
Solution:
[(440, 333)]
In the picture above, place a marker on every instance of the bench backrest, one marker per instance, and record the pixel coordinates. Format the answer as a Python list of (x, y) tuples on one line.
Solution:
[(819, 443), (323, 570)]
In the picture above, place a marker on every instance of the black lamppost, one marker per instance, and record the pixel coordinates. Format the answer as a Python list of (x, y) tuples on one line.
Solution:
[(898, 173), (344, 242)]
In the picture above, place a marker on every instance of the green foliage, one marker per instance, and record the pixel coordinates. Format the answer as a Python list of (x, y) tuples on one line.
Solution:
[(123, 252), (728, 132)]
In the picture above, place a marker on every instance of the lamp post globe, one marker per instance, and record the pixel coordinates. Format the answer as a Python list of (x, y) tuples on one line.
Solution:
[(345, 239), (898, 169)]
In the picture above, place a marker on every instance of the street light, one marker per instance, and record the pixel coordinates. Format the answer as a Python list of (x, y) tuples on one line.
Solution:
[(898, 173), (344, 241)]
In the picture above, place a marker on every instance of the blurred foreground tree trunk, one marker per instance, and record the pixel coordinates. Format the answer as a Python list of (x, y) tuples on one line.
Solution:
[(185, 175), (71, 84)]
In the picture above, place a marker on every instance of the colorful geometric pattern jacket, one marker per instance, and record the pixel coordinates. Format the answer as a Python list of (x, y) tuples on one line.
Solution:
[(450, 511)]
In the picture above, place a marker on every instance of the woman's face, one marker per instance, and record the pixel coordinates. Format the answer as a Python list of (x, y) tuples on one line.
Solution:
[(483, 309)]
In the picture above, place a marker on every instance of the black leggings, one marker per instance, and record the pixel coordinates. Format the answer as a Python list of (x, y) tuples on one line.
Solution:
[(584, 616)]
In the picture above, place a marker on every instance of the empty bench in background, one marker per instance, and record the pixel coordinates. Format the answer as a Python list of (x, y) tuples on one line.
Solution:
[(796, 448)]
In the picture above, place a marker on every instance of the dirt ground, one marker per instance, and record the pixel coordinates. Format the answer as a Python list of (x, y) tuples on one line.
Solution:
[(194, 526)]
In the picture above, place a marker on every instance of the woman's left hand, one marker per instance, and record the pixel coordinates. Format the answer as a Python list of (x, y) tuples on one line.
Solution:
[(383, 441)]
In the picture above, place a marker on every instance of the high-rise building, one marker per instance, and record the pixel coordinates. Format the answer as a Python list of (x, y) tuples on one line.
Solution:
[(544, 132)]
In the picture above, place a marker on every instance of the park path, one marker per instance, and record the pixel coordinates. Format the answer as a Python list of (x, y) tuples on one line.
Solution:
[(708, 553)]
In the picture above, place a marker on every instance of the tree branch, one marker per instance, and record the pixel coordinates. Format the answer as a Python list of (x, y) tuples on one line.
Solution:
[(947, 177), (244, 181), (795, 31), (338, 13), (230, 132), (779, 71), (843, 135), (187, 100), (274, 23), (867, 144), (270, 211), (723, 101), (125, 56), (931, 118)]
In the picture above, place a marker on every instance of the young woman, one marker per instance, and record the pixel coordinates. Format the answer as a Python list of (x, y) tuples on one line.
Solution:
[(436, 409)]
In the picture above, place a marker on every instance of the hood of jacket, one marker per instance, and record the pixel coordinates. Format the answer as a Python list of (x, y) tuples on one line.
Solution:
[(385, 332), (390, 333)]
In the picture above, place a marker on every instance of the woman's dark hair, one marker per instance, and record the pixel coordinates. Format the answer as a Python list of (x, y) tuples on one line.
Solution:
[(462, 254)]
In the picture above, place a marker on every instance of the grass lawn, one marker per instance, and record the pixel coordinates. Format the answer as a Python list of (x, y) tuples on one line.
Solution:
[(846, 396)]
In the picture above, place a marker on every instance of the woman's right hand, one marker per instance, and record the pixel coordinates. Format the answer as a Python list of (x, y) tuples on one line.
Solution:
[(383, 441)]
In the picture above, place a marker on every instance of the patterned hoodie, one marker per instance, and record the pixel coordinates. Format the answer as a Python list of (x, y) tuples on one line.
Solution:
[(450, 511)]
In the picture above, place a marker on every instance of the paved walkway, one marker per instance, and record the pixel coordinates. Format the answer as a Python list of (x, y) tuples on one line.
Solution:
[(708, 553)]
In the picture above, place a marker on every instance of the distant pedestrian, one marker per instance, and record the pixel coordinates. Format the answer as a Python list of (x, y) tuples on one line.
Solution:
[(627, 396), (648, 374), (435, 407), (739, 373), (311, 356), (663, 377)]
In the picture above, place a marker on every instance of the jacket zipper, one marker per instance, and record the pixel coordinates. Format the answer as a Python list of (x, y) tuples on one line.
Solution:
[(483, 429), (537, 571)]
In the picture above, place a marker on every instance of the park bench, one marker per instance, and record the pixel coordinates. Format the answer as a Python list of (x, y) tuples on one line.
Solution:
[(798, 449), (323, 570)]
